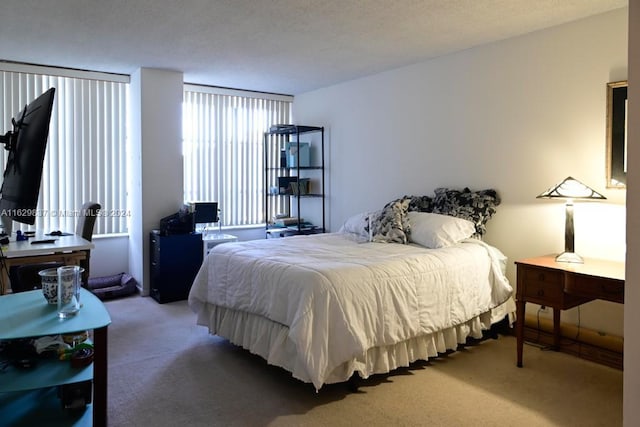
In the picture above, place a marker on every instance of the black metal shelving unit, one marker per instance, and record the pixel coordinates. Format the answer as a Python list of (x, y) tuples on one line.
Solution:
[(276, 166)]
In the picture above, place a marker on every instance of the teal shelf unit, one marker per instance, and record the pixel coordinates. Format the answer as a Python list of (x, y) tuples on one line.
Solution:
[(29, 397)]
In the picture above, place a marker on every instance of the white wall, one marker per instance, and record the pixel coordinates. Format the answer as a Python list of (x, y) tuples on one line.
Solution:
[(155, 175), (110, 255), (518, 116), (632, 291)]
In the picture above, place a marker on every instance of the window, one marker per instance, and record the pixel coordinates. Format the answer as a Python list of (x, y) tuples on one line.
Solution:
[(85, 158), (223, 133)]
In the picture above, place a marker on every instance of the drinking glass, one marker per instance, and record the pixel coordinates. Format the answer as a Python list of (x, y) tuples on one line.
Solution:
[(69, 290)]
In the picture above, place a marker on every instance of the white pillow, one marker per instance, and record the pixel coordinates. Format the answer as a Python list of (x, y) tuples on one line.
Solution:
[(438, 231), (357, 225)]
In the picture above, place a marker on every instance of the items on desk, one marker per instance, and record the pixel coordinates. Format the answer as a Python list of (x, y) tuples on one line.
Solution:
[(59, 233), (43, 241), (21, 236), (181, 222)]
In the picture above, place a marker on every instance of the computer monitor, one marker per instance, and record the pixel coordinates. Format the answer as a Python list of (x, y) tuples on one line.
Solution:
[(26, 144), (204, 213)]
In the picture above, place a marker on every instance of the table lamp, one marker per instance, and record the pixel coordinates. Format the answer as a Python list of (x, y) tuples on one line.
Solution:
[(570, 189)]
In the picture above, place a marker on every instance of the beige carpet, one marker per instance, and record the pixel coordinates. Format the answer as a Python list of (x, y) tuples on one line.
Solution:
[(166, 371)]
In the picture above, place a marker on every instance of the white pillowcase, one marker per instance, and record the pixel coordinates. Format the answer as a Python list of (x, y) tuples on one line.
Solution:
[(438, 231), (358, 225), (354, 224)]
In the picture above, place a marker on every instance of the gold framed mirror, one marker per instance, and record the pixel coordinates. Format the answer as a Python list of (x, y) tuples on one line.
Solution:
[(616, 166)]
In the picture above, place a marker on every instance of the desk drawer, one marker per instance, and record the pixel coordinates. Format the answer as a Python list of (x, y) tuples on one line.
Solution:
[(596, 287), (542, 286)]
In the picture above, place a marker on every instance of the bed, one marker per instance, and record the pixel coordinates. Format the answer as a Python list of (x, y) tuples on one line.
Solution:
[(328, 306)]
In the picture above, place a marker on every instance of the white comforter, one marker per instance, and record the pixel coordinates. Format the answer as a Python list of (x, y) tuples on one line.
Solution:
[(339, 298)]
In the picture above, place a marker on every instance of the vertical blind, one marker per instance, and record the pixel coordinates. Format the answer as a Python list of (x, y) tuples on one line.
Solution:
[(223, 135), (85, 158)]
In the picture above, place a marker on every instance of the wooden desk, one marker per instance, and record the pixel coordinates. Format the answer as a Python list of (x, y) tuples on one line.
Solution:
[(561, 286), (27, 314), (69, 250)]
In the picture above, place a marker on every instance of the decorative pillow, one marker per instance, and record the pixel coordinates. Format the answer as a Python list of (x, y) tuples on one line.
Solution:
[(421, 204), (438, 231), (391, 225), (476, 206)]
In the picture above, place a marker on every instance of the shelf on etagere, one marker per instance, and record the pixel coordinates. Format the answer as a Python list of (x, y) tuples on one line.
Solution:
[(292, 129), (296, 195), (292, 168)]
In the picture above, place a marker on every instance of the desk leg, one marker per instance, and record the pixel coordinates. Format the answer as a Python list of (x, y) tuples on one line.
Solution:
[(520, 307), (5, 284), (100, 377), (556, 329)]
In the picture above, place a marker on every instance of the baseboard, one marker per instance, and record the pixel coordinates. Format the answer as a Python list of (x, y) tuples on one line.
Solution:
[(580, 342)]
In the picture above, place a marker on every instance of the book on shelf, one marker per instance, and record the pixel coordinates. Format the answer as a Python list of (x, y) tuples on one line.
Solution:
[(304, 226), (284, 222)]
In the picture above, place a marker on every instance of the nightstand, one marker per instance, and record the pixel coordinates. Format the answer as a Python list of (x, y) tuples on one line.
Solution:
[(562, 286)]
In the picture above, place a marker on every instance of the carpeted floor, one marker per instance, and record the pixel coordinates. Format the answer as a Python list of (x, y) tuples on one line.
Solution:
[(166, 371)]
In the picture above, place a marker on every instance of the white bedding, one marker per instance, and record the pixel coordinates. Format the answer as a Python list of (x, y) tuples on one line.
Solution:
[(338, 300)]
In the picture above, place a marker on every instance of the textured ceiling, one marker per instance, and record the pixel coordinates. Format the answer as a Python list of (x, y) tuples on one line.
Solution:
[(280, 46)]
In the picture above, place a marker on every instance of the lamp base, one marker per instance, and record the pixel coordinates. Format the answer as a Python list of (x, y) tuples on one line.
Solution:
[(570, 257)]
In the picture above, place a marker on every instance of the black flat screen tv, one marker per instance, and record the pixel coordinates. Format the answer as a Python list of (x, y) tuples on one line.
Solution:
[(26, 144)]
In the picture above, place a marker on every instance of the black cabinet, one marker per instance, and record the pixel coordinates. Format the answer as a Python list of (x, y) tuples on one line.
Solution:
[(294, 180), (175, 261)]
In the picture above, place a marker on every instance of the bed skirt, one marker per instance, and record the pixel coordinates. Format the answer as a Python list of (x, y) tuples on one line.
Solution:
[(270, 341)]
